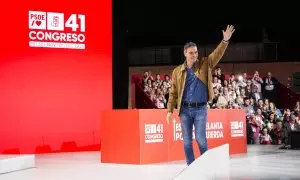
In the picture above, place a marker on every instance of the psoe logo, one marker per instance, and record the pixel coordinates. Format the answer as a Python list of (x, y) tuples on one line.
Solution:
[(237, 128), (55, 30), (154, 133)]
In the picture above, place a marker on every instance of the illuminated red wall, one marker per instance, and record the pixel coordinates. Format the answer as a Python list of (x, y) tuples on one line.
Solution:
[(51, 99)]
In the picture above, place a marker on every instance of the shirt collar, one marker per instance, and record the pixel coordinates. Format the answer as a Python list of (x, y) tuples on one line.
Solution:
[(184, 65)]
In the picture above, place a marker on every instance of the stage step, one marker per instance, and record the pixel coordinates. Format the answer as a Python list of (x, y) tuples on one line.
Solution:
[(11, 163), (214, 164)]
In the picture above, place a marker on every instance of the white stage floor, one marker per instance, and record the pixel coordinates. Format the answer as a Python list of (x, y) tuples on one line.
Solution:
[(261, 162)]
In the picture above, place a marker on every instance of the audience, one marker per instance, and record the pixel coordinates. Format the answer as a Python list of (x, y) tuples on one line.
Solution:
[(157, 88), (266, 124)]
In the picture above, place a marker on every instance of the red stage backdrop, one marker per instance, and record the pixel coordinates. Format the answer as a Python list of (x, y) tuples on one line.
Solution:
[(55, 74)]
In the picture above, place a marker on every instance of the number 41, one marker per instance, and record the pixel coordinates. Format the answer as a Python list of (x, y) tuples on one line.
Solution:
[(72, 22)]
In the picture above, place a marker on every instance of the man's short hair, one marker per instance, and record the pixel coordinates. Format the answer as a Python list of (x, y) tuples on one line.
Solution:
[(189, 44)]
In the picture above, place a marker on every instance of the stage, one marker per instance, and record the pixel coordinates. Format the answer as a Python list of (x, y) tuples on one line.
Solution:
[(260, 162)]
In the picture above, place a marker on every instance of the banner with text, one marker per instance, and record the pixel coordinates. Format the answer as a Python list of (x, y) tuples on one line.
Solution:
[(223, 126)]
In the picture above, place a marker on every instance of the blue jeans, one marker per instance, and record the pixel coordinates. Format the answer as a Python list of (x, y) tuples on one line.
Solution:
[(198, 118)]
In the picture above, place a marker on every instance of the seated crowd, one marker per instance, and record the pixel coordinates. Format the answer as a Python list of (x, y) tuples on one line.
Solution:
[(266, 124), (157, 89)]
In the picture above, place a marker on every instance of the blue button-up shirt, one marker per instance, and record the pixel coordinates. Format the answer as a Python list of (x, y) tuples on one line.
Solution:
[(195, 90)]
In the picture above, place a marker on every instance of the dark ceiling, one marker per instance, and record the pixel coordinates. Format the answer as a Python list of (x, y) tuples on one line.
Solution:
[(165, 22)]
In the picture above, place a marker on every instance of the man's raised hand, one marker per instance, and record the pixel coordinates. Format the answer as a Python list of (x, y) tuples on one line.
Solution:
[(228, 32)]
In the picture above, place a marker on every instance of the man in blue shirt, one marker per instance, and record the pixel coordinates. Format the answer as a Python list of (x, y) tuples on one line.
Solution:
[(191, 89)]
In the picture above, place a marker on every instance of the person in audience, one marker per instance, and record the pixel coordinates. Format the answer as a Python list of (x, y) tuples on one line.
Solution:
[(243, 93), (259, 105), (146, 88), (160, 100), (215, 99), (287, 115), (277, 133), (226, 94), (231, 91), (241, 82), (270, 87), (252, 102), (154, 85), (250, 139), (220, 82), (265, 137), (272, 118), (274, 110), (265, 122), (255, 94), (260, 115), (219, 74), (150, 84), (222, 101), (216, 84), (165, 90), (167, 80), (256, 80), (287, 128), (267, 104), (225, 83), (215, 72), (150, 75), (232, 78), (230, 105), (248, 88), (146, 78), (245, 77), (239, 100), (235, 88), (294, 123), (247, 107), (256, 127), (270, 126), (158, 81), (153, 96), (197, 91)]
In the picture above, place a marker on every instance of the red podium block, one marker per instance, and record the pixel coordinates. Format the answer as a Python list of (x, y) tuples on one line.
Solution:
[(142, 136), (134, 136)]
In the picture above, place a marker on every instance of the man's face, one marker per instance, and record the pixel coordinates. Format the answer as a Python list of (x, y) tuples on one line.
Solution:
[(247, 102), (272, 116), (191, 54)]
